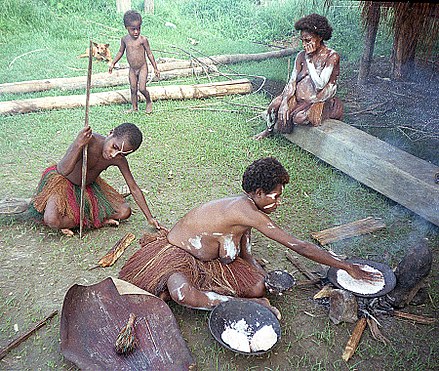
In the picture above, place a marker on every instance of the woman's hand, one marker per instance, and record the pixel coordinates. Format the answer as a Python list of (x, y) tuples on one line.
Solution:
[(358, 273)]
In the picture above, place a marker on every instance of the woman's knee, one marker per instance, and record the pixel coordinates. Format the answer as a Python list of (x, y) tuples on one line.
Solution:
[(257, 290)]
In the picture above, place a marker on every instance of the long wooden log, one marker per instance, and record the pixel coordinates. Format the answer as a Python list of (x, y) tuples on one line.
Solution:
[(402, 177), (348, 230), (242, 86), (168, 71), (100, 80)]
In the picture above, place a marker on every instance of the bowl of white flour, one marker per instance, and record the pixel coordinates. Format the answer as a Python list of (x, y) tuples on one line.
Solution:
[(385, 282), (244, 326)]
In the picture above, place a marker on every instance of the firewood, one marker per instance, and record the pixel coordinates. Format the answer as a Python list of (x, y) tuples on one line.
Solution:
[(297, 263), (354, 340), (414, 317), (324, 292), (341, 232), (375, 331), (23, 337), (116, 251)]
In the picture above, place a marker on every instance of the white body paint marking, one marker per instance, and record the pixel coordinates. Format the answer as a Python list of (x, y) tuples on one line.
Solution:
[(179, 293), (292, 244), (248, 245), (214, 296), (196, 242), (269, 205), (217, 234), (270, 226), (230, 247), (272, 195)]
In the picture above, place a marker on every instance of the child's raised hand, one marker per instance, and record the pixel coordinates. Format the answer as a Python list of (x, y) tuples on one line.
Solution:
[(84, 136)]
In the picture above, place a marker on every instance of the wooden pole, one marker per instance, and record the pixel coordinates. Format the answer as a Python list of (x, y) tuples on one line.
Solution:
[(23, 337), (85, 148), (198, 91)]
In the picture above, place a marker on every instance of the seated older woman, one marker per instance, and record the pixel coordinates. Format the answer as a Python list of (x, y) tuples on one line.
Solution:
[(309, 96)]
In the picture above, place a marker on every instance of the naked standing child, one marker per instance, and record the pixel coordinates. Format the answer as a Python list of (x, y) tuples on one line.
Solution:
[(136, 46)]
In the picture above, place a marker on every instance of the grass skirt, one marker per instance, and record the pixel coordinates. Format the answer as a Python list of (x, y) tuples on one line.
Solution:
[(100, 199), (151, 266)]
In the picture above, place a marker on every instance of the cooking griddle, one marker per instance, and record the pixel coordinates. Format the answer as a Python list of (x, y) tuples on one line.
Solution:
[(92, 317), (254, 314), (389, 277)]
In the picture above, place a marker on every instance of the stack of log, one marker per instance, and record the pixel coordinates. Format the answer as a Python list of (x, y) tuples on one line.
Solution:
[(168, 70)]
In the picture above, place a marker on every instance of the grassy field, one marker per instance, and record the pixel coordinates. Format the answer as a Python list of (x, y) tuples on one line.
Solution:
[(189, 156)]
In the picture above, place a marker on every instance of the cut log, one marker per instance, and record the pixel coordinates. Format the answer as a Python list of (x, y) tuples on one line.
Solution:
[(354, 340), (341, 232), (402, 177), (99, 80), (217, 89), (167, 70)]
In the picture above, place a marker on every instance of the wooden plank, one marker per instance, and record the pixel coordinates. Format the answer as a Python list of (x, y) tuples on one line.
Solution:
[(400, 176), (217, 89), (348, 230)]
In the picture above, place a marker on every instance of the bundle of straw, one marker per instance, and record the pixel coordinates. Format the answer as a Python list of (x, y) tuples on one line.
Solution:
[(126, 340)]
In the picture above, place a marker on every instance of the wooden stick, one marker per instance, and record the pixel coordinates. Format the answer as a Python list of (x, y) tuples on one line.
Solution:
[(116, 251), (296, 262), (414, 317), (85, 148), (354, 340), (348, 230), (23, 337)]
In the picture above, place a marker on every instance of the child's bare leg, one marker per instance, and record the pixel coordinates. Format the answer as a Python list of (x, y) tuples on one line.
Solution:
[(143, 75), (123, 212), (133, 77), (53, 219)]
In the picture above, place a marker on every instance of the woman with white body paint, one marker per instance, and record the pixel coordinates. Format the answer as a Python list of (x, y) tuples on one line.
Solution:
[(219, 232), (309, 96)]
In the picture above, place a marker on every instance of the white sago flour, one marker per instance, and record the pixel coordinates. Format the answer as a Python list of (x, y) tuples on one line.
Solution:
[(361, 286)]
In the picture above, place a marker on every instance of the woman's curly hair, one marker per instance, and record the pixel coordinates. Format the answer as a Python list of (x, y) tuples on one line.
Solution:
[(265, 173), (315, 24)]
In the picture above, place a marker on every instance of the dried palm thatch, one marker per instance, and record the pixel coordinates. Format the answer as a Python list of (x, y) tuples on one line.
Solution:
[(415, 28)]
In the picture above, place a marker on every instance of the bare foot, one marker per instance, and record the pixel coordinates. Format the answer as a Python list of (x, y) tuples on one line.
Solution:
[(149, 107), (263, 134), (111, 222), (266, 303), (132, 110), (67, 232)]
